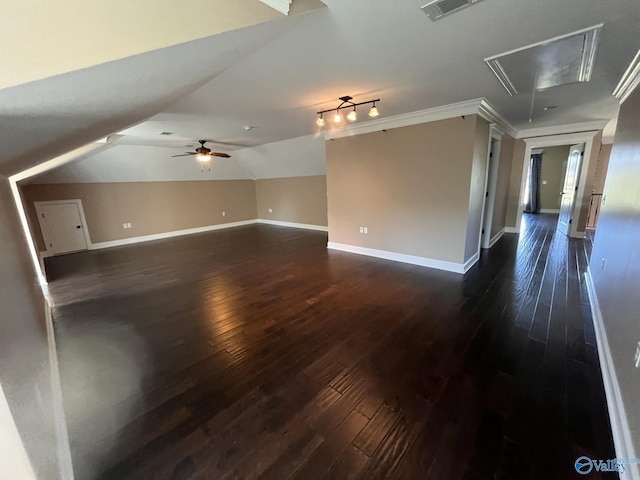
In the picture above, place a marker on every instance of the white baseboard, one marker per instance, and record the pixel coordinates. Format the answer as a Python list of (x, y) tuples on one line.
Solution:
[(617, 416), (305, 226), (511, 230), (471, 262), (496, 237), (175, 233), (549, 210), (399, 257)]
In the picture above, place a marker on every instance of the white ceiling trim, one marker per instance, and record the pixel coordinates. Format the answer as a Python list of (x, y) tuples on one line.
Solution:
[(478, 106), (629, 80), (281, 6), (444, 112), (595, 125), (490, 114)]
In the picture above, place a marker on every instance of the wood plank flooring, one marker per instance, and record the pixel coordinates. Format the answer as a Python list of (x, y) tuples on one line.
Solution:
[(256, 353)]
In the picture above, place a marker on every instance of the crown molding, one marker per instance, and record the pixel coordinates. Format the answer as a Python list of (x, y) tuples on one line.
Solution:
[(406, 119), (478, 106), (491, 115), (629, 80), (561, 129)]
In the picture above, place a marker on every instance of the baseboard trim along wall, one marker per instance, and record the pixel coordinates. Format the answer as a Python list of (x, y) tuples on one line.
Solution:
[(617, 415), (305, 226), (511, 230), (496, 237), (549, 210), (175, 233), (401, 257), (191, 231), (471, 262)]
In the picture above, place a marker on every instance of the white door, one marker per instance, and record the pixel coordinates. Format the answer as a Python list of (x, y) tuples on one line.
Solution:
[(62, 227), (574, 162)]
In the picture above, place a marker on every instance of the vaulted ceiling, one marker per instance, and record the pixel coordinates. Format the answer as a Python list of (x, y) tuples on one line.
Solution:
[(276, 75)]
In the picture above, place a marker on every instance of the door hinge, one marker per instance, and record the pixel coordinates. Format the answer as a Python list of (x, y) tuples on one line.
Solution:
[(571, 220), (483, 230), (42, 215), (50, 244), (487, 195)]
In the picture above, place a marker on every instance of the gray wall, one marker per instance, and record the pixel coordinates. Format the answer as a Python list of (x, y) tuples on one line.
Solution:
[(25, 370), (617, 241)]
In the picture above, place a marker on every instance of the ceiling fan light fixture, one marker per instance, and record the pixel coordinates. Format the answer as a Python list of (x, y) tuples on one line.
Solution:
[(203, 157)]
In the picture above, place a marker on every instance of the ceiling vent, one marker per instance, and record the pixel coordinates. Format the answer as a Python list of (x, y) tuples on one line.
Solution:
[(441, 8)]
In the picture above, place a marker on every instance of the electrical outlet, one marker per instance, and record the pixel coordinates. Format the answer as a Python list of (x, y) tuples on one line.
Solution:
[(271, 210), (636, 359), (361, 229), (366, 230), (224, 214), (129, 225), (124, 225), (602, 264)]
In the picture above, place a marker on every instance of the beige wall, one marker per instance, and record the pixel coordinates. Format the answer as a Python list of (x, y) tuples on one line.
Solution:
[(617, 241), (553, 170), (477, 188), (293, 199), (25, 369), (151, 207), (410, 187), (502, 185), (513, 201), (601, 169)]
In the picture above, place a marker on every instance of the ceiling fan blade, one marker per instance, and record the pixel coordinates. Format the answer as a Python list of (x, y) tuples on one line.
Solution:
[(219, 154), (183, 155)]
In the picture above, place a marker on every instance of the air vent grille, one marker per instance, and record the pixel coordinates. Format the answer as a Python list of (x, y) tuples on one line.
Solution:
[(441, 8)]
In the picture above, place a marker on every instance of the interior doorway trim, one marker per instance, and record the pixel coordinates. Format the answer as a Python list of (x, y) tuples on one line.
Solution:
[(85, 231), (554, 140), (491, 183)]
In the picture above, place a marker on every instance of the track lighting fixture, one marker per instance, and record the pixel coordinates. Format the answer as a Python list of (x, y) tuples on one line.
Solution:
[(352, 116)]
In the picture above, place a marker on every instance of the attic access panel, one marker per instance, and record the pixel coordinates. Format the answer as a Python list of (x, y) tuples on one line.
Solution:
[(558, 61)]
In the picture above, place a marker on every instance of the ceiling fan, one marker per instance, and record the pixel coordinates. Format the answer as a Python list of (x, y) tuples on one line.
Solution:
[(203, 154)]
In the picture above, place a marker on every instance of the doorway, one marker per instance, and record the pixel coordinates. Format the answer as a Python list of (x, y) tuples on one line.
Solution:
[(490, 192), (63, 226), (579, 207)]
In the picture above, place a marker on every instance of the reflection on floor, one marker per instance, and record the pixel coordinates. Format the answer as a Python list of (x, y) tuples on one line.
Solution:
[(255, 352)]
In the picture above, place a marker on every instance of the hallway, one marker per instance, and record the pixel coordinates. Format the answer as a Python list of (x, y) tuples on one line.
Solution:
[(255, 352)]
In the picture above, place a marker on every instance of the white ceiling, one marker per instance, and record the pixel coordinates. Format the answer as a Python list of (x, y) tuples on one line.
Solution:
[(391, 50), (276, 76)]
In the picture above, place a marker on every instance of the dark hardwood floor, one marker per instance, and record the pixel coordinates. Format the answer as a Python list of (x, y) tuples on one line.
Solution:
[(256, 353)]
